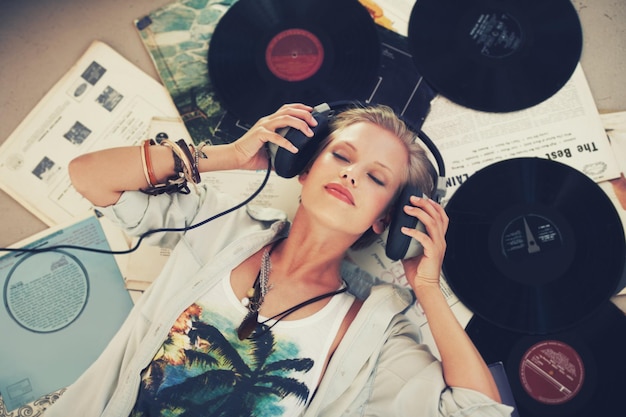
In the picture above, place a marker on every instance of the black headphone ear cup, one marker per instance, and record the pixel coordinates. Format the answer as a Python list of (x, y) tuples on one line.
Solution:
[(287, 164), (398, 245)]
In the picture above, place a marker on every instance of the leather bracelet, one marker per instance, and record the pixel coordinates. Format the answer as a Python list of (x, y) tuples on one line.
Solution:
[(143, 151), (152, 180)]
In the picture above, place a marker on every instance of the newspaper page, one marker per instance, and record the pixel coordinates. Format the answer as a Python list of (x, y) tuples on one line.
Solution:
[(103, 101), (565, 128), (60, 309)]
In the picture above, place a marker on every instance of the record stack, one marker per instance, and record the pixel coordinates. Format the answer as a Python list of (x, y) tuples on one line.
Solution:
[(535, 250)]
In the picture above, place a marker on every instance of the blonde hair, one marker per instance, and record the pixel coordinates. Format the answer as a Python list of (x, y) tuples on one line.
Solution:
[(419, 172)]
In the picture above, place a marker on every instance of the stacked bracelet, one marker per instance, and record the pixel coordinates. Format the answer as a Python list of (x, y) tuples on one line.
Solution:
[(185, 167), (190, 168)]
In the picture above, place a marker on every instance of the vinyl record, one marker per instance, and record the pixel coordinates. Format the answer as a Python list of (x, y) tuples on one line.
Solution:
[(265, 53), (533, 245), (576, 373), (495, 56)]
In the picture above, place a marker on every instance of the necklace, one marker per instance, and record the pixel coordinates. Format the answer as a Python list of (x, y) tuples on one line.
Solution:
[(255, 296)]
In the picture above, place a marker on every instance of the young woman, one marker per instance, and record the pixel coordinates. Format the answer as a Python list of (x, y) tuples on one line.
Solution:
[(256, 316)]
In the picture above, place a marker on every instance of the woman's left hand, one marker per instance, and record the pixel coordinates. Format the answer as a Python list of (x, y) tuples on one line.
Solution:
[(425, 269), (463, 366)]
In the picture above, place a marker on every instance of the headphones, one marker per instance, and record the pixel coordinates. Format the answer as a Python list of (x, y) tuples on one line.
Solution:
[(287, 165)]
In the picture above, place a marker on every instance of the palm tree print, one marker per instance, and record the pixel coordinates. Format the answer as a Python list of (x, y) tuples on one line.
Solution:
[(200, 372)]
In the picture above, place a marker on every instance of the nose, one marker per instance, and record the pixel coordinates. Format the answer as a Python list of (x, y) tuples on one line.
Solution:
[(348, 176)]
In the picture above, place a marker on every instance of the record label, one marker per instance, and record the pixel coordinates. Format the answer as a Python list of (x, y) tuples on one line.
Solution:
[(519, 235), (532, 244), (496, 35), (551, 372), (294, 55)]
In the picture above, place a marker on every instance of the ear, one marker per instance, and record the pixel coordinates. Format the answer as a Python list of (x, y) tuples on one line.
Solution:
[(381, 224), (302, 176)]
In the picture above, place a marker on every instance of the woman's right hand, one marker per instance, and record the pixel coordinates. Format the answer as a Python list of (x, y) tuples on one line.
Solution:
[(249, 149)]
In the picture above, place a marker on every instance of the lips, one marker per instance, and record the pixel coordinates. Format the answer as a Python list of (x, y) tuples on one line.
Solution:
[(340, 192)]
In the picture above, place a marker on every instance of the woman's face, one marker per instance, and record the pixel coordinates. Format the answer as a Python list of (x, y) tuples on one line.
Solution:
[(351, 183)]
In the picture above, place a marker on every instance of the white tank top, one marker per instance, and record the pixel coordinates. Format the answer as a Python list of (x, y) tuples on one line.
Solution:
[(274, 374)]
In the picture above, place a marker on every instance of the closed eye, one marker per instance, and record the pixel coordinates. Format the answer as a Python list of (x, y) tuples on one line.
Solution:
[(340, 157), (376, 180)]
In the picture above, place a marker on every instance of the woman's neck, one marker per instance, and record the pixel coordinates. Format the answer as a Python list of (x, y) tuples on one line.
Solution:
[(310, 254)]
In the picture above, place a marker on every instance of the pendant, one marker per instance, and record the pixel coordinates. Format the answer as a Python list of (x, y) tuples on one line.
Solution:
[(245, 301), (248, 325)]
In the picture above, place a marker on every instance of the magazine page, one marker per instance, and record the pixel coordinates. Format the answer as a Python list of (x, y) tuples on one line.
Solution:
[(103, 101)]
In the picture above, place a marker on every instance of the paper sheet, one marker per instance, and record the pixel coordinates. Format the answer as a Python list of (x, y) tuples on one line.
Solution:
[(102, 101)]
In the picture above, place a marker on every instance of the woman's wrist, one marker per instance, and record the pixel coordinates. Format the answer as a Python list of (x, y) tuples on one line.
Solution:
[(218, 158), (425, 292)]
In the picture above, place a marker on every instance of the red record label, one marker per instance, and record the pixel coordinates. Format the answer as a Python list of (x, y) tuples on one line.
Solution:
[(294, 55), (552, 372)]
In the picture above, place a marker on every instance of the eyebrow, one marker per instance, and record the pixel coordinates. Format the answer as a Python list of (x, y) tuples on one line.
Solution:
[(354, 149)]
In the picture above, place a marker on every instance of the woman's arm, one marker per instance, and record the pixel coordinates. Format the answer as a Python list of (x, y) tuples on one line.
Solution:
[(103, 176), (463, 366)]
